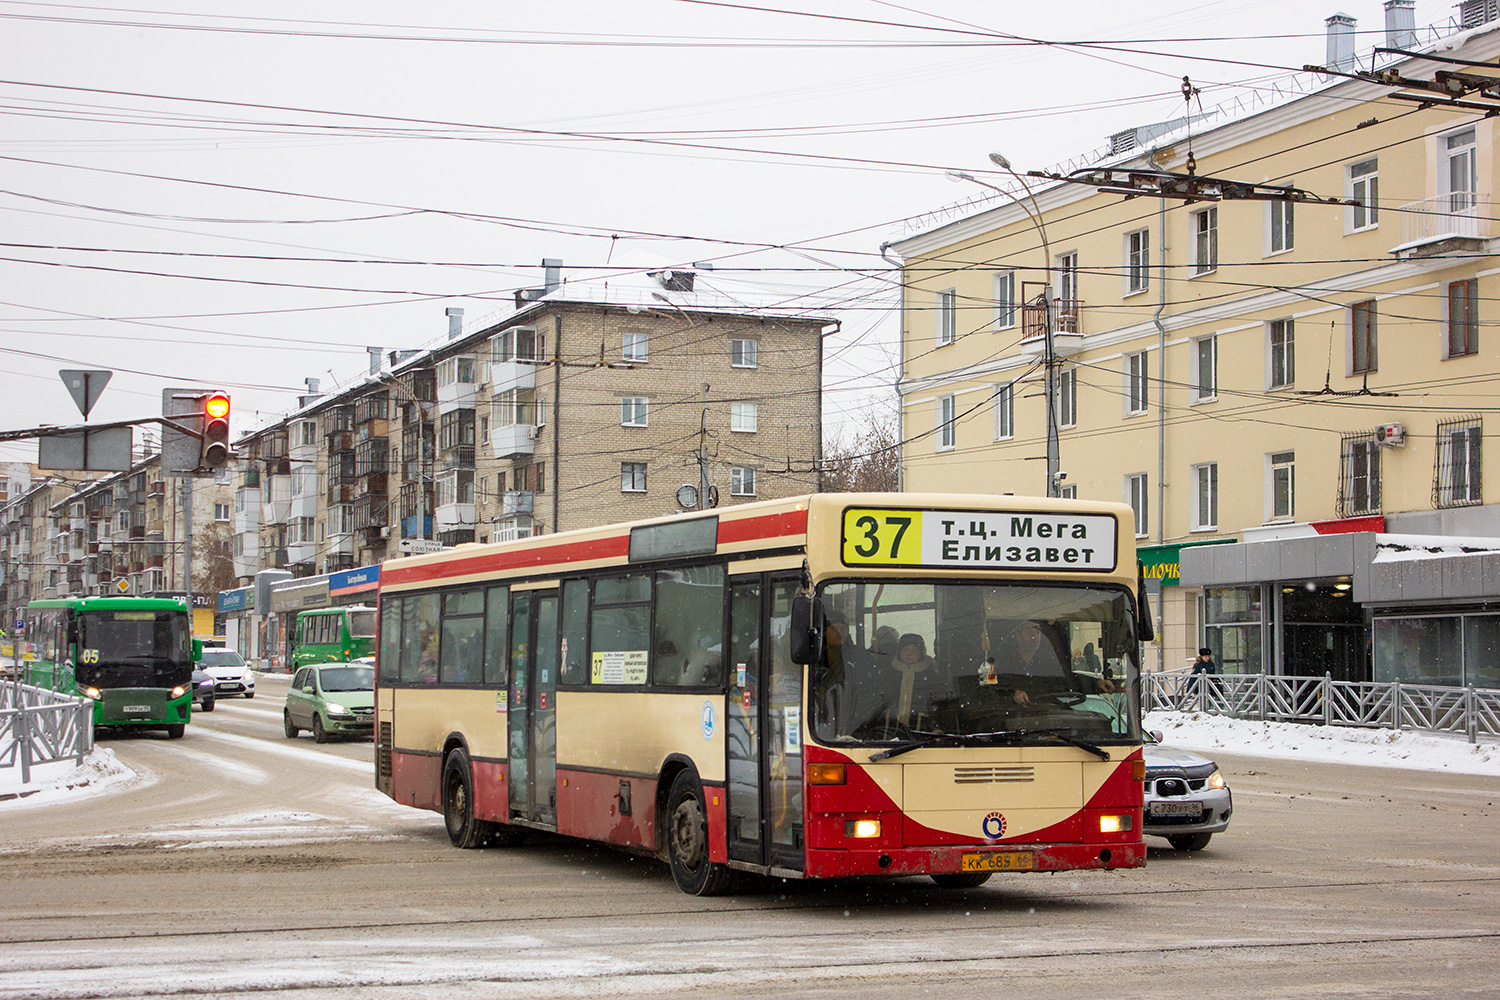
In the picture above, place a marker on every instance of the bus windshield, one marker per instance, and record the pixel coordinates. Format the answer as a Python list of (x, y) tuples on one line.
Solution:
[(133, 648), (975, 659), (362, 623)]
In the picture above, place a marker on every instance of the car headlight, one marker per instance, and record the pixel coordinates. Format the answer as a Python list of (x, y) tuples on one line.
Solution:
[(337, 709), (249, 676), (1215, 780)]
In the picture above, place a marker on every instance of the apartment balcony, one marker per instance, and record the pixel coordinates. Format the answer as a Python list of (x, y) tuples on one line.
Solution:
[(305, 506), (137, 532), (250, 478), (376, 484), (457, 396), (246, 565), (339, 441), (340, 545), (508, 375), (453, 516), (513, 502), (302, 554), (460, 459), (513, 440), (340, 561), (278, 559), (512, 530), (1067, 327), (1436, 225), (247, 521)]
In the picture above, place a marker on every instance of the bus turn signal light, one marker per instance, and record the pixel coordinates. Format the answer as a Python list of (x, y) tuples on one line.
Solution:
[(862, 828), (1138, 769), (825, 774), (1114, 823)]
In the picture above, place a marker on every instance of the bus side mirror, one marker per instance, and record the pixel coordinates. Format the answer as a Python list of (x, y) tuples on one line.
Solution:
[(806, 630), (1144, 626), (197, 650)]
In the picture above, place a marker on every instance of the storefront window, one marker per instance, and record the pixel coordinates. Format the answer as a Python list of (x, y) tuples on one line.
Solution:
[(1482, 650), (1232, 627), (1419, 650)]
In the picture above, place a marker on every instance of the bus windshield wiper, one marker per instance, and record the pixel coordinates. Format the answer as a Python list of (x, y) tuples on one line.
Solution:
[(930, 739)]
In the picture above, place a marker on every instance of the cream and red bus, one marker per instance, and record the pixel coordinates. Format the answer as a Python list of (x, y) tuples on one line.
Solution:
[(827, 686)]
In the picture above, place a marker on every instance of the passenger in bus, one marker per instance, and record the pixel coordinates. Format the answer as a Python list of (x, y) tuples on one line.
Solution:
[(922, 682), (887, 644), (844, 675)]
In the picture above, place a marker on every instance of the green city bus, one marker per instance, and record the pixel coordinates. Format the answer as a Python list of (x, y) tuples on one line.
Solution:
[(132, 655), (333, 635)]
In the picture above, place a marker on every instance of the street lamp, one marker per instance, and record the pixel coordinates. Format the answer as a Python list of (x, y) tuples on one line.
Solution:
[(1049, 358)]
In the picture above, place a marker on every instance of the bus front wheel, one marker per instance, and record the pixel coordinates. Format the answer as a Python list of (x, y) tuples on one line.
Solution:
[(458, 804), (174, 732), (687, 841)]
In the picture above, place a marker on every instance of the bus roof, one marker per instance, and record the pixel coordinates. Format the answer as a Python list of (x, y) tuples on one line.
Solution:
[(764, 527), (337, 609), (113, 603)]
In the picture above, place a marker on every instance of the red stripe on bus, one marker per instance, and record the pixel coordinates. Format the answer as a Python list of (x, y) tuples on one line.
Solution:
[(745, 529)]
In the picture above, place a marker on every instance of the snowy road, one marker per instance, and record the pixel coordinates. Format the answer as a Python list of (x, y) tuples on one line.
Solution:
[(244, 863)]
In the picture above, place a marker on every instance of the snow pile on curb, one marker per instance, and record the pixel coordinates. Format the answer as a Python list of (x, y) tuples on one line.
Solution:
[(1333, 744), (100, 772)]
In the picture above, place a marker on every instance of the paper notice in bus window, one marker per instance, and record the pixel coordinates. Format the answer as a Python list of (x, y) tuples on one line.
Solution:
[(621, 667), (792, 716), (985, 540)]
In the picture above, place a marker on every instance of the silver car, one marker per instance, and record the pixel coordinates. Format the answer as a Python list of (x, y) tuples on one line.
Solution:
[(1187, 798)]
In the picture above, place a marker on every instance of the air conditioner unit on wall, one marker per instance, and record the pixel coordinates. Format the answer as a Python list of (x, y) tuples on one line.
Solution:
[(1391, 435)]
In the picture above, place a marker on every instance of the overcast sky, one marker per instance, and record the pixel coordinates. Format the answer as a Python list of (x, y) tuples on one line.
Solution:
[(155, 161)]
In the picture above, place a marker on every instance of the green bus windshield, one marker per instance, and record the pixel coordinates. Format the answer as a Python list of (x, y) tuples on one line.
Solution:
[(133, 648)]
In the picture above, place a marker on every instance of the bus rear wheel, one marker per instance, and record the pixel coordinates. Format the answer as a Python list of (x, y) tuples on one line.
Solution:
[(458, 804), (687, 841), (961, 880), (174, 732)]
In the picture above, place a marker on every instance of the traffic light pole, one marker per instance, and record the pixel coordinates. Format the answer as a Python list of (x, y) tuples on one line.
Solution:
[(187, 539)]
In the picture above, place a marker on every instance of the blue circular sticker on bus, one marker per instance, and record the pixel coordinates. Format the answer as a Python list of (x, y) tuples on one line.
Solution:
[(709, 720), (993, 826)]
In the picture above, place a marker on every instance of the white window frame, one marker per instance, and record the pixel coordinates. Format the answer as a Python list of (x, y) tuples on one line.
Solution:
[(1281, 353), (632, 477), (1281, 232), (1137, 261), (743, 417), (1005, 300), (1460, 148), (947, 433), (221, 512), (1281, 466), (1066, 269), (741, 481), (1205, 496), (1205, 390), (1067, 398), (1137, 486), (1137, 383), (744, 353), (635, 347), (635, 411), (947, 316), (1362, 184), (1005, 411), (1205, 240), (1361, 458)]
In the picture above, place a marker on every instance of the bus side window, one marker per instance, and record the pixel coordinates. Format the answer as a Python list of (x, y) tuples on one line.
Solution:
[(389, 660), (497, 636), (575, 625)]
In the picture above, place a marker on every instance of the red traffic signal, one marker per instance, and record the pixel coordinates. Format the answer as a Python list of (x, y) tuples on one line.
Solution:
[(215, 430)]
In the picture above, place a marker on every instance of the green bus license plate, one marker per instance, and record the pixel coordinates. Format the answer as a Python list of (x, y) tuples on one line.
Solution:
[(141, 709), (1000, 861), (1175, 809)]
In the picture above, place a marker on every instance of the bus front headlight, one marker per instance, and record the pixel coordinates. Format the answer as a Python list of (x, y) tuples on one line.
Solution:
[(179, 691), (92, 693)]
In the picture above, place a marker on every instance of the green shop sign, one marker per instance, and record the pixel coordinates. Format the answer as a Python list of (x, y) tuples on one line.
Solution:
[(1164, 562)]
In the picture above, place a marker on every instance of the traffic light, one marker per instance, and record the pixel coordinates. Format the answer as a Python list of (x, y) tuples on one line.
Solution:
[(215, 430)]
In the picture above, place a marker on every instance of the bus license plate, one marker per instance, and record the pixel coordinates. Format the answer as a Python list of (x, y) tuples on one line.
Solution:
[(1175, 809), (1000, 861), (143, 709)]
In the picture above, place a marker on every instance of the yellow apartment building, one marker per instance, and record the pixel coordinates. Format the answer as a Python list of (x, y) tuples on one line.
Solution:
[(1293, 396)]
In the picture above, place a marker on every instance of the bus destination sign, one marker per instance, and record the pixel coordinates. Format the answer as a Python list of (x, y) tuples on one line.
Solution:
[(963, 539)]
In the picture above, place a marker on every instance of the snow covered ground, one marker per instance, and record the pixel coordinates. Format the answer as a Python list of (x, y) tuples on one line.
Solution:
[(100, 773)]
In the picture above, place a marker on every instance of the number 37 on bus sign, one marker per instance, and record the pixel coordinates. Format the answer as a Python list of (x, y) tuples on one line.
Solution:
[(990, 539)]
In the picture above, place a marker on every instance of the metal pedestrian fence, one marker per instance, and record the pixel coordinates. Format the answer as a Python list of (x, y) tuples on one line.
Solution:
[(38, 726), (1470, 711)]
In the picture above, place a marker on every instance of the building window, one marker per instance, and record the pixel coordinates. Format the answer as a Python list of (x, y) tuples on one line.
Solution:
[(1205, 369), (1364, 188), (1067, 492), (1206, 496), (1005, 300), (634, 347), (743, 417), (744, 353), (1362, 338), (1456, 479), (521, 343), (1462, 177), (632, 477), (1137, 261), (1135, 495), (309, 432), (1205, 240), (1359, 475), (1135, 383), (741, 481), (946, 432), (947, 316), (1005, 412), (1463, 318), (221, 512), (1283, 354), (1067, 398), (1283, 486), (633, 411), (1279, 226)]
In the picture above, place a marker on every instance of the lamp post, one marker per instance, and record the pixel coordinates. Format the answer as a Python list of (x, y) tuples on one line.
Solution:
[(1049, 358)]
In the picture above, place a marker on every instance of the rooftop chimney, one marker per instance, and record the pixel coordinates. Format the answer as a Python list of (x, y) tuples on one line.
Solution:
[(455, 322), (1340, 42), (311, 394), (1401, 24), (396, 357), (1473, 13), (374, 353), (553, 270)]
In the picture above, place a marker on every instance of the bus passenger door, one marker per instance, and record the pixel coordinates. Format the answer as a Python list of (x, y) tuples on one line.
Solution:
[(765, 726), (533, 707)]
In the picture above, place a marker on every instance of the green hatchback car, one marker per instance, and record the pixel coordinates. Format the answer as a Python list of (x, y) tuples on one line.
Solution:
[(332, 699)]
